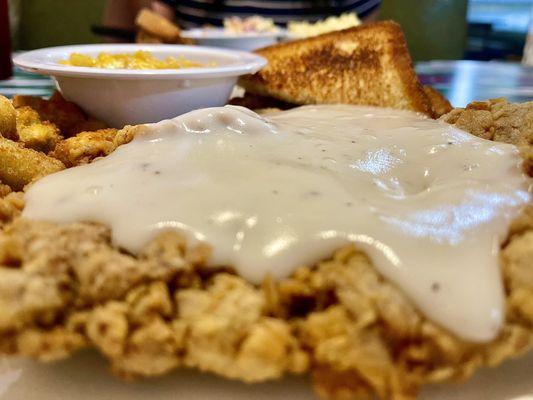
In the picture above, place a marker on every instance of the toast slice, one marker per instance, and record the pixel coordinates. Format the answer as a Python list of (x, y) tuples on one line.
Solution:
[(154, 28), (155, 24), (439, 103), (368, 65)]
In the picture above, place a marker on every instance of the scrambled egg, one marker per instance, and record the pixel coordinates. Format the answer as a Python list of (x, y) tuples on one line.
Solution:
[(303, 29), (138, 60)]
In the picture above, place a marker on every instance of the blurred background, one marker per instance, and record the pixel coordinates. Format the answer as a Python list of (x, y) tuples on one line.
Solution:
[(435, 29), (466, 49)]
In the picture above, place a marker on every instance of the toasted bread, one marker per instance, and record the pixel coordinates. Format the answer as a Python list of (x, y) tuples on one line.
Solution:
[(368, 64), (156, 25), (439, 103)]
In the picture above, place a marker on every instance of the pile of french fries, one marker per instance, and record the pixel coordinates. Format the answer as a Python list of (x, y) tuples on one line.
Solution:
[(39, 137)]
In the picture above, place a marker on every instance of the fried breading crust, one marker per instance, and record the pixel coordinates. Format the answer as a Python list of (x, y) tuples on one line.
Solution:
[(67, 116), (65, 287), (498, 120), (85, 147), (4, 190), (19, 165), (8, 122), (34, 133)]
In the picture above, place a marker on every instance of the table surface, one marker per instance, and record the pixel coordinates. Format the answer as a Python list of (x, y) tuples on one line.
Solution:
[(465, 81), (26, 83), (460, 81)]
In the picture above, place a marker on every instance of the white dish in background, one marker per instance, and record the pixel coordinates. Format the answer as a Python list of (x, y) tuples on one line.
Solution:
[(219, 37), (86, 377), (128, 96)]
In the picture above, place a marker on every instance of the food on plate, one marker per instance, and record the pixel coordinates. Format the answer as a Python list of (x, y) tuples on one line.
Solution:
[(303, 29), (20, 166), (498, 120), (439, 103), (35, 133), (369, 65), (163, 306), (67, 116), (410, 173), (11, 205), (154, 28), (8, 119), (253, 24), (141, 59), (41, 127), (86, 146), (77, 275)]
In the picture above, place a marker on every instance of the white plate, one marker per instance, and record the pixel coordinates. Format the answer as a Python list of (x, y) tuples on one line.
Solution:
[(122, 96), (219, 37), (86, 378)]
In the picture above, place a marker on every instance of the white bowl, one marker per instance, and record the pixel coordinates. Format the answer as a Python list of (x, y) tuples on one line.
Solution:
[(121, 96), (218, 37)]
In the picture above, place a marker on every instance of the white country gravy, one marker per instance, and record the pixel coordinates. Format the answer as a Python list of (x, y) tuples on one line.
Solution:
[(428, 202)]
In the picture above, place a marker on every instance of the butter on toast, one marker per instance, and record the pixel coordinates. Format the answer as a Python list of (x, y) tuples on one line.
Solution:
[(368, 65)]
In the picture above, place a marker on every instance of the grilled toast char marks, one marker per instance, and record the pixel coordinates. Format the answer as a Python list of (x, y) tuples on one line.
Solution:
[(369, 65)]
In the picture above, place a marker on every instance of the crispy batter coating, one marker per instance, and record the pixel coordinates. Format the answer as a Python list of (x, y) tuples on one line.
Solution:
[(19, 165), (4, 190), (67, 116), (11, 205), (34, 133), (8, 123), (85, 147), (66, 287), (498, 120)]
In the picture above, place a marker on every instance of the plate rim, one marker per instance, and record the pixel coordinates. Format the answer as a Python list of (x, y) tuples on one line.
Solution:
[(243, 62)]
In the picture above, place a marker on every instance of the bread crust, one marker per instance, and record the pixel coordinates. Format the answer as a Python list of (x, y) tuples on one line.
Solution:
[(369, 65), (439, 103)]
